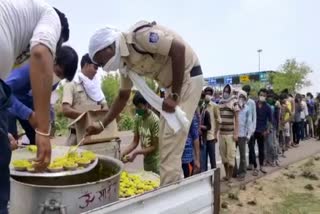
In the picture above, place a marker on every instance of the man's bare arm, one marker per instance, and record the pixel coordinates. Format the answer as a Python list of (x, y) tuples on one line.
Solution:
[(41, 72), (177, 54), (70, 112), (132, 146)]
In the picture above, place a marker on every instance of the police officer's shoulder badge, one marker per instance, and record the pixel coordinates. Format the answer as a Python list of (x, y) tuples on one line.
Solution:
[(153, 37)]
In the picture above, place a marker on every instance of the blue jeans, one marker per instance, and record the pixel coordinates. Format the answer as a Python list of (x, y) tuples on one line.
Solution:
[(5, 151), (208, 148), (12, 128), (297, 130)]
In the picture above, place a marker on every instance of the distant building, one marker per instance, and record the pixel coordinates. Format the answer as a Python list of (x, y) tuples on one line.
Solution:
[(237, 80)]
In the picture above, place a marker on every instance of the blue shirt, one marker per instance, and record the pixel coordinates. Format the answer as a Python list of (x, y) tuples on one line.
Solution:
[(264, 116), (193, 135), (21, 99), (311, 107), (245, 122)]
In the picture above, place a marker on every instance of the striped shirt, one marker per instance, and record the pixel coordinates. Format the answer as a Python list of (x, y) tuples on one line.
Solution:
[(227, 113)]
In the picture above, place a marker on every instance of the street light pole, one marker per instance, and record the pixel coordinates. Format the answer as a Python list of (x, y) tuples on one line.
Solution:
[(259, 52)]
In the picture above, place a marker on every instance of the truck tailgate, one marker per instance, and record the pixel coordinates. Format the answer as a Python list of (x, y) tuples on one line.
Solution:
[(197, 194)]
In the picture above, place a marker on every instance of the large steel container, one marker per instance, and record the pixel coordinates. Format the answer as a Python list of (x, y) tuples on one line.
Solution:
[(67, 195), (111, 149)]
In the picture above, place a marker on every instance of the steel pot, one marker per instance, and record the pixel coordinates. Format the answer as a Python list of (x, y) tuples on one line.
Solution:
[(67, 195)]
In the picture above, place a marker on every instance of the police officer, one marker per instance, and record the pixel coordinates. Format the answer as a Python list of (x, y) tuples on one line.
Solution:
[(152, 50)]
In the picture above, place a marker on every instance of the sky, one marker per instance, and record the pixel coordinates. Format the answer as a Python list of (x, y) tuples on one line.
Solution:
[(225, 34)]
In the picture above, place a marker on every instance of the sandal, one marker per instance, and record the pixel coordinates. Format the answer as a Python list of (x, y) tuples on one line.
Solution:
[(263, 171)]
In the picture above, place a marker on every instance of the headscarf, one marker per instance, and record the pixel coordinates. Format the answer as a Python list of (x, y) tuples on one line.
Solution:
[(103, 38)]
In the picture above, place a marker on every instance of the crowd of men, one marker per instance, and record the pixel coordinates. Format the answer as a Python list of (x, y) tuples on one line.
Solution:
[(275, 122)]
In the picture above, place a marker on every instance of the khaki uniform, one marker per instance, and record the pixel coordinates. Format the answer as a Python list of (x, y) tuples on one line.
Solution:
[(75, 95), (214, 112), (145, 50)]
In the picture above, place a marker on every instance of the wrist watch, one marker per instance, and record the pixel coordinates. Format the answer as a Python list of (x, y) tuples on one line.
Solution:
[(175, 96)]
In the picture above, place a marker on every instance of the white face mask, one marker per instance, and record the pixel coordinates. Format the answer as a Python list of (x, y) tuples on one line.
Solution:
[(242, 102), (262, 99), (208, 98), (115, 62)]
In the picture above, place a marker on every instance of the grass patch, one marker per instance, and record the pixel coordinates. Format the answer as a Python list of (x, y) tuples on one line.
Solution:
[(298, 203)]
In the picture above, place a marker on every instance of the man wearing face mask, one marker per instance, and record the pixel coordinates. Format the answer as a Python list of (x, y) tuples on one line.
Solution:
[(271, 144), (229, 130), (264, 116), (65, 67), (149, 49), (245, 133), (146, 131), (84, 90), (253, 117), (311, 115), (212, 134)]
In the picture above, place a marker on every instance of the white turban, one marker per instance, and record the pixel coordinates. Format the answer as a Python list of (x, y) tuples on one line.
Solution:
[(101, 39)]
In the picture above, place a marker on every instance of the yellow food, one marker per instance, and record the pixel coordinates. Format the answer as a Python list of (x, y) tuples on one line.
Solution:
[(131, 185), (70, 164), (31, 169), (21, 163), (32, 148), (83, 160), (55, 165), (88, 154)]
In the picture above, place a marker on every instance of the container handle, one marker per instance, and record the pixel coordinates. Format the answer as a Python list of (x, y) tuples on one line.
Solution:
[(52, 205)]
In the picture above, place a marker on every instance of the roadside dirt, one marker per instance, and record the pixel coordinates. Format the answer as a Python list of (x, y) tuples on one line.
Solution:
[(293, 190)]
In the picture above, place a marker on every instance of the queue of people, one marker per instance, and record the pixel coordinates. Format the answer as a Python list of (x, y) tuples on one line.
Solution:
[(275, 123)]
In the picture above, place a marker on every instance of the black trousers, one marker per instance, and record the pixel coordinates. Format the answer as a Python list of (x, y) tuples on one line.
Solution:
[(297, 130), (259, 137), (5, 151)]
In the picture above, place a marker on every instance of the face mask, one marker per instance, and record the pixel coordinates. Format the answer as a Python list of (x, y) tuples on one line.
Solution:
[(262, 98), (115, 62), (226, 95), (270, 102), (208, 98), (140, 112), (242, 102)]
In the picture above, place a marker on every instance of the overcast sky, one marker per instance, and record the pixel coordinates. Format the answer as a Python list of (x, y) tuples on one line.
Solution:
[(224, 34)]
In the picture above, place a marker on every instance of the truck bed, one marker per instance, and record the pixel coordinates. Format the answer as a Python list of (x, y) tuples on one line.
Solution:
[(197, 194)]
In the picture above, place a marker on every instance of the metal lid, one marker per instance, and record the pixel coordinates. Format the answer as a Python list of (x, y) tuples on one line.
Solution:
[(57, 151)]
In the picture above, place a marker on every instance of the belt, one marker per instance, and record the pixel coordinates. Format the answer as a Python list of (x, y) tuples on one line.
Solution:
[(196, 71), (73, 131)]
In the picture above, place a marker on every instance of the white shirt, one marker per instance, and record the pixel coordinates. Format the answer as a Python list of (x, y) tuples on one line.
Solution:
[(25, 24), (304, 113)]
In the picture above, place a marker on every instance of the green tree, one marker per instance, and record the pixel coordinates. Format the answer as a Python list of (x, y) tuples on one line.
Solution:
[(110, 87), (255, 88), (61, 122), (291, 75)]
